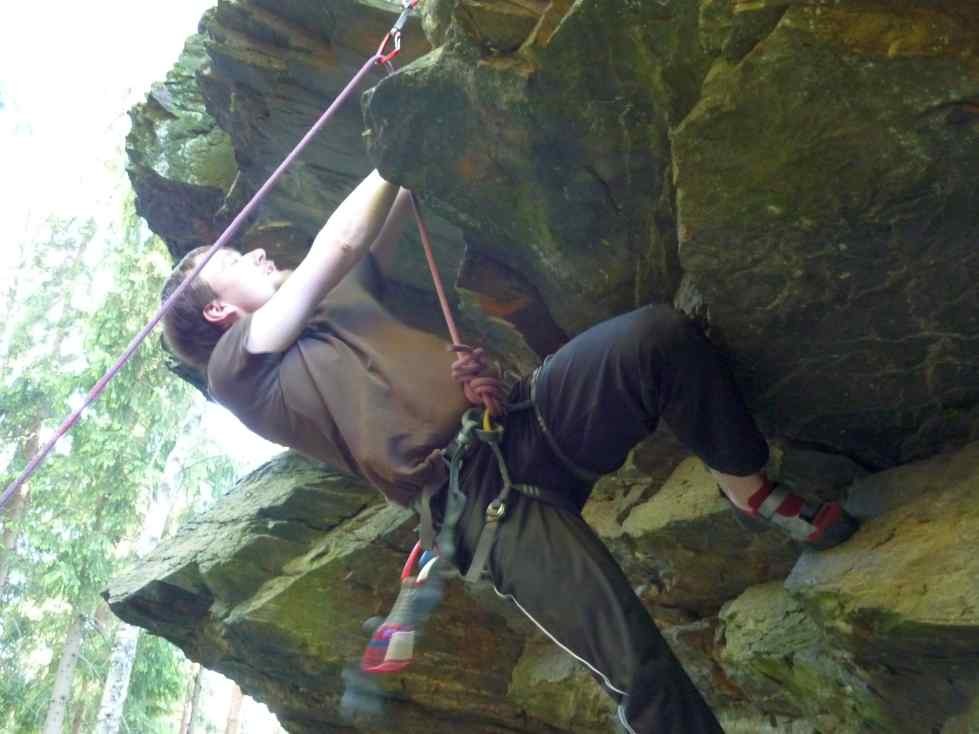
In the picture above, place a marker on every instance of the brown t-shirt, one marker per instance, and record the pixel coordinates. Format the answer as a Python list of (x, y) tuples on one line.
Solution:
[(358, 390)]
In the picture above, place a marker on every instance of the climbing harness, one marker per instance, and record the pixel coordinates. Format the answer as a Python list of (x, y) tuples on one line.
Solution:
[(382, 57), (392, 644), (496, 510), (474, 431)]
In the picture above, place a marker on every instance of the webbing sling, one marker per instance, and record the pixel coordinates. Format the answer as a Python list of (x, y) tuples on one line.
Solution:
[(472, 432)]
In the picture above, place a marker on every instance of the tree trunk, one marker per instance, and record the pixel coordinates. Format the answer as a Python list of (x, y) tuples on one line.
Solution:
[(117, 681), (11, 531), (195, 701), (126, 641), (16, 508), (234, 711), (54, 721), (189, 699), (76, 726)]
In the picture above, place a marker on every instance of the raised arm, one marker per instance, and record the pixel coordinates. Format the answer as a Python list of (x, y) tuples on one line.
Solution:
[(345, 238), (383, 250)]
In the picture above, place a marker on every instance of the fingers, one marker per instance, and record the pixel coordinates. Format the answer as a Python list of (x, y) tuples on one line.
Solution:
[(478, 378), (488, 391), (470, 365)]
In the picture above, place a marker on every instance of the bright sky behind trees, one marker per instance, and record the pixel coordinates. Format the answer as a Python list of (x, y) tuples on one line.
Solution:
[(69, 72)]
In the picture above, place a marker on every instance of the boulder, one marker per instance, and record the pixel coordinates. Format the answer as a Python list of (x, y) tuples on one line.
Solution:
[(878, 635), (272, 585)]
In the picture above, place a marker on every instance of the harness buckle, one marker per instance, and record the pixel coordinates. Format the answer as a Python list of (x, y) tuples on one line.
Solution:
[(495, 510)]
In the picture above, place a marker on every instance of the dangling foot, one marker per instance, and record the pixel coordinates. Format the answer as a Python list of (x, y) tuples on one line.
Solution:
[(817, 526)]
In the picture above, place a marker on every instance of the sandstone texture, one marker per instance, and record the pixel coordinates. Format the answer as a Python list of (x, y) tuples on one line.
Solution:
[(797, 175)]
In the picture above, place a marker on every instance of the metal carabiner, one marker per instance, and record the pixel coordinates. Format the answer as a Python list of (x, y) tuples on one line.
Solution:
[(394, 35), (495, 510), (385, 58)]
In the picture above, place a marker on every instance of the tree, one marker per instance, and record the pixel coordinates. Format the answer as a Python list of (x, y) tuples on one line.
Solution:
[(18, 505), (116, 686), (191, 695), (27, 401), (83, 504), (234, 711), (54, 722), (178, 488), (194, 706)]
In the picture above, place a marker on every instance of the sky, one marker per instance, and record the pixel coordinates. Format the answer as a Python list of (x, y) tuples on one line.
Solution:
[(69, 72)]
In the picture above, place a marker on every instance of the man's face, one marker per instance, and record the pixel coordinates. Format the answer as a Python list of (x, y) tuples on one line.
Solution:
[(246, 282)]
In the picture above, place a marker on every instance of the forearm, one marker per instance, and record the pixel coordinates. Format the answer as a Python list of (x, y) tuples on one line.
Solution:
[(344, 240), (356, 224)]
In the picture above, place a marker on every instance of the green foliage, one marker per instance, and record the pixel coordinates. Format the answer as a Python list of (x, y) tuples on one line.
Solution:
[(83, 504), (158, 682), (83, 294), (15, 690), (27, 640)]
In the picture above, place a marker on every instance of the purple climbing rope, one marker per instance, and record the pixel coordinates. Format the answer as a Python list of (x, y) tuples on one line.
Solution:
[(483, 392), (223, 240)]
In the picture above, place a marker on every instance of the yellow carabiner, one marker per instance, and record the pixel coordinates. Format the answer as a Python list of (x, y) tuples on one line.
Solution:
[(487, 422)]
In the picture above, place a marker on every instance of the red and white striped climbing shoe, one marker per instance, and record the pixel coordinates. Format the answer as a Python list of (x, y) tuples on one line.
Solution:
[(391, 648), (819, 526)]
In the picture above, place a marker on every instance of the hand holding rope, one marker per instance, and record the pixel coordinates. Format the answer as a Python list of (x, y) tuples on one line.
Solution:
[(480, 379)]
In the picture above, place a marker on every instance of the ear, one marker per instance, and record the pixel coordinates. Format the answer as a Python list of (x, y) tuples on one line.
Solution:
[(221, 313)]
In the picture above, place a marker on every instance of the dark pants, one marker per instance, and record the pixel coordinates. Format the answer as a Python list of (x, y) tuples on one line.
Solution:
[(594, 400)]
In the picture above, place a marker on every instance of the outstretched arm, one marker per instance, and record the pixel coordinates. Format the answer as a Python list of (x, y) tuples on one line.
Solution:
[(345, 238)]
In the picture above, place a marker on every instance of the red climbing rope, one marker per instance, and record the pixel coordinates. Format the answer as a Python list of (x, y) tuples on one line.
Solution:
[(478, 386), (433, 267)]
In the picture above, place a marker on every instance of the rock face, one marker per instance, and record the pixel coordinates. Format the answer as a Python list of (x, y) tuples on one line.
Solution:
[(796, 174), (271, 587), (879, 634)]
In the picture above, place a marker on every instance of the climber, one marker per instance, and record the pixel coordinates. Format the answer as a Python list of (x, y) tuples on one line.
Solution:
[(313, 360)]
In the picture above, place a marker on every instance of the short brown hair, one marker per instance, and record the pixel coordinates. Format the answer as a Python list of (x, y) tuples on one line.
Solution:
[(188, 334)]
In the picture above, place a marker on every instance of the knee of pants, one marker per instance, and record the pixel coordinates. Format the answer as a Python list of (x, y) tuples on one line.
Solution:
[(665, 330)]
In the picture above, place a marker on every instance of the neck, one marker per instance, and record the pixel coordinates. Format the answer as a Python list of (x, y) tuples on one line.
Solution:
[(281, 277)]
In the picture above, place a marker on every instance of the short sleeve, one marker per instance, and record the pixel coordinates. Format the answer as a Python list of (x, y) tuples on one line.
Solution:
[(368, 275), (241, 381)]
